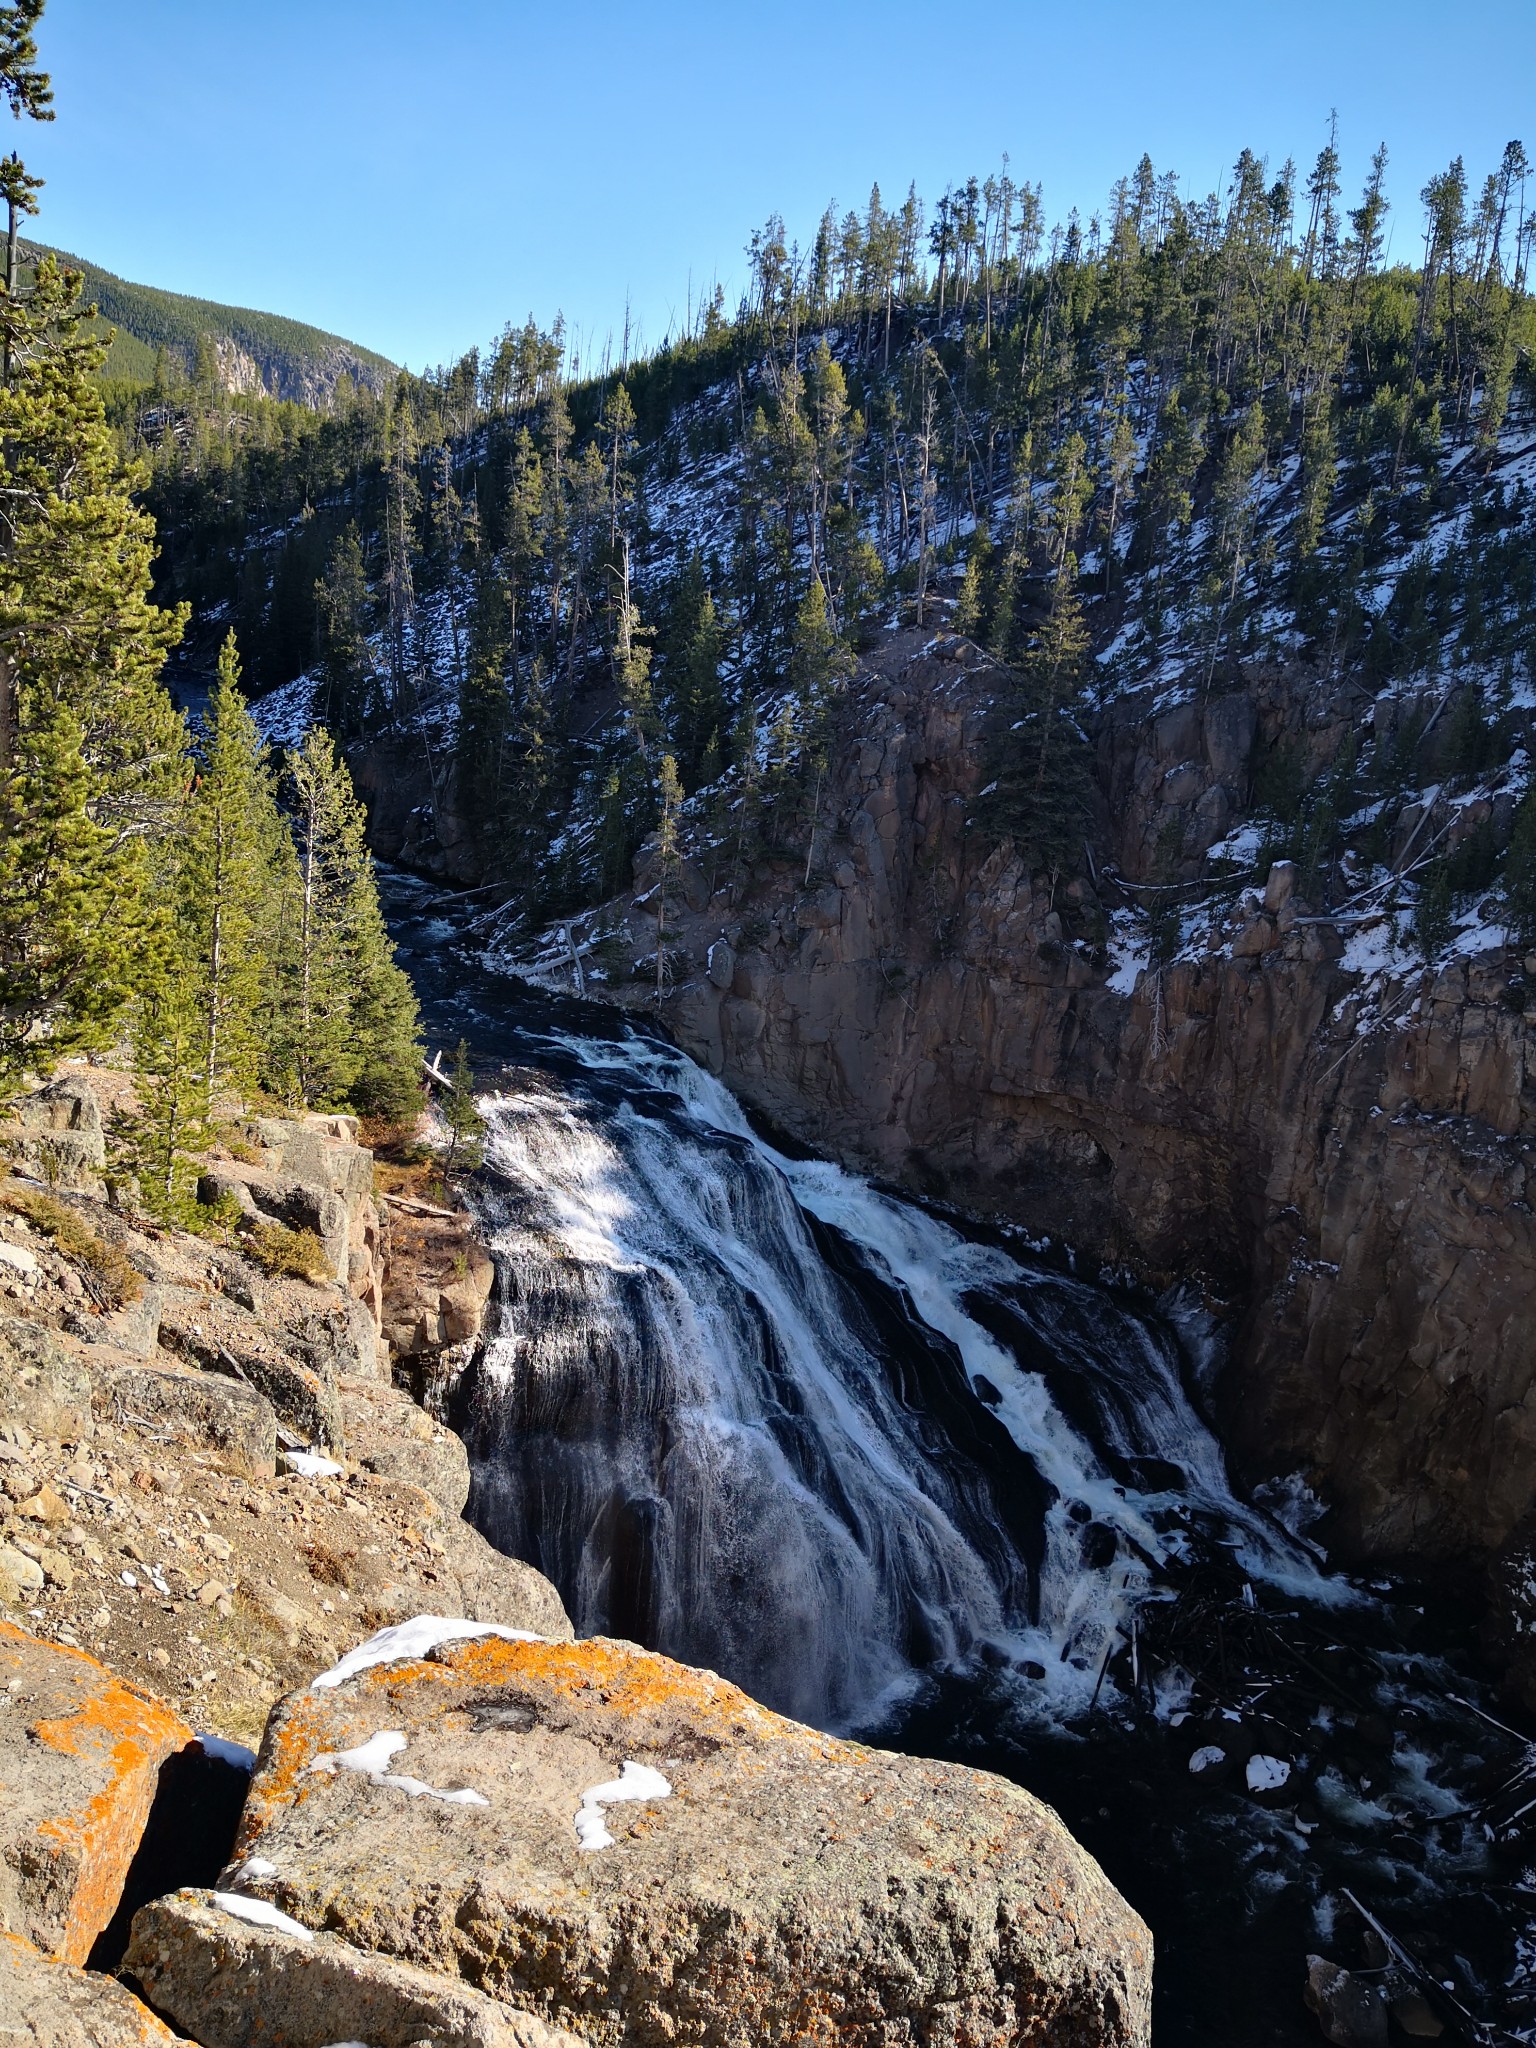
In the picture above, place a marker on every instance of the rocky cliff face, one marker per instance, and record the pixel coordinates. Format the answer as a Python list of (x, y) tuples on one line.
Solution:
[(1334, 1141), (207, 1473)]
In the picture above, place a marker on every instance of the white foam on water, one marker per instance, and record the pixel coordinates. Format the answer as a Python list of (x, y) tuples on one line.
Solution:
[(668, 1285)]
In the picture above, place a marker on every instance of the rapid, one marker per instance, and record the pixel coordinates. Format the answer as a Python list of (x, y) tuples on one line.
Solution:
[(899, 1473)]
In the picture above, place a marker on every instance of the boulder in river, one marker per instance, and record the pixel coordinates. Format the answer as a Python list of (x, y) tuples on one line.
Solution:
[(638, 1852), (1351, 2012)]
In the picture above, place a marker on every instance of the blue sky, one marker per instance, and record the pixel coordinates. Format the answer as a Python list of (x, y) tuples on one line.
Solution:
[(413, 176)]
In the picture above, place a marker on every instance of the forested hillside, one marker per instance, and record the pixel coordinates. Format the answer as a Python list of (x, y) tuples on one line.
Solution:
[(1185, 440), (184, 898), (170, 338)]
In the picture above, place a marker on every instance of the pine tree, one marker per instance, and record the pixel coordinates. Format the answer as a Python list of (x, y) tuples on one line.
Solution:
[(820, 663), (349, 1028), (90, 746), (72, 906), (1042, 774), (346, 662), (171, 1121), (700, 698), (1520, 874), (461, 1113), (968, 603), (235, 864), (671, 794), (385, 1018)]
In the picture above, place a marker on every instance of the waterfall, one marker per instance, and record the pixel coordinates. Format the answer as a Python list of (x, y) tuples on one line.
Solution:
[(758, 1414), (896, 1472)]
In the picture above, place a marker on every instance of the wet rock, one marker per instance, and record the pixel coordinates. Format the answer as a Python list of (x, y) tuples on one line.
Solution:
[(49, 2004), (80, 1756), (199, 1409), (237, 1985), (790, 1886), (1350, 2012), (1413, 2013), (43, 1385)]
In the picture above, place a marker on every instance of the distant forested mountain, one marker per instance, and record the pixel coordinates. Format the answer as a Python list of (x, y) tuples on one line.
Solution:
[(241, 350)]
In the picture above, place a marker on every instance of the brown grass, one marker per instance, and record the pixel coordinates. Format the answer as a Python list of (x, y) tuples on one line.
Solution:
[(289, 1254), (108, 1275), (329, 1567)]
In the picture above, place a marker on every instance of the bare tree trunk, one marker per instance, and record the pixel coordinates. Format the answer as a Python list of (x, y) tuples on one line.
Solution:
[(8, 719)]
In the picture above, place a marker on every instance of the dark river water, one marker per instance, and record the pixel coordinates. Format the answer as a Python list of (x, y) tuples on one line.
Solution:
[(900, 1474)]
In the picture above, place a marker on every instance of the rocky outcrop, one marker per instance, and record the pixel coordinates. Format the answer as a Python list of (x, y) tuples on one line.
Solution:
[(250, 1986), (1342, 1156), (740, 1877), (471, 1835), (414, 818), (58, 1134), (48, 2004), (80, 1756), (309, 1174), (217, 1484), (440, 1279)]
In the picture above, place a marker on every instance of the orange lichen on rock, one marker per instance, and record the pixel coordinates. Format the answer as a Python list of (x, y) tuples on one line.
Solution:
[(82, 1781), (596, 1673), (781, 1884)]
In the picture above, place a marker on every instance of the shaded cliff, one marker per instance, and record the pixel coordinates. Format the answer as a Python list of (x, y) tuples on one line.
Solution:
[(1334, 1138)]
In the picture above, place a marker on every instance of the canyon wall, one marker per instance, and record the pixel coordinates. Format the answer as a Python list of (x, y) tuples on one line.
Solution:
[(1334, 1142)]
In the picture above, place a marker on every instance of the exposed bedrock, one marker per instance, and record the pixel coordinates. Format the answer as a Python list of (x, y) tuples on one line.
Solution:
[(1342, 1158)]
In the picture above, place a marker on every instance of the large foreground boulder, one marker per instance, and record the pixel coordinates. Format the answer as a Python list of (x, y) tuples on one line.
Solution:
[(80, 1757), (44, 2004), (244, 1985), (639, 1853)]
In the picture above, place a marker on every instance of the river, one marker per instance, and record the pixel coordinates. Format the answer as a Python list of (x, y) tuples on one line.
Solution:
[(902, 1474)]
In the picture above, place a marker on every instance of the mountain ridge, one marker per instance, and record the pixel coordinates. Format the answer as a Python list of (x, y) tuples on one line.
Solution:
[(255, 351)]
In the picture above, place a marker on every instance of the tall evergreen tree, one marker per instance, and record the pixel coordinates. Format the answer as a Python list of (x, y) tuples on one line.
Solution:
[(348, 1031), (90, 746), (235, 866)]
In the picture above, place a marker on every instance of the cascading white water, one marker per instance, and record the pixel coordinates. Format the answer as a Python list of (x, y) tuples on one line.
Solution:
[(758, 1414)]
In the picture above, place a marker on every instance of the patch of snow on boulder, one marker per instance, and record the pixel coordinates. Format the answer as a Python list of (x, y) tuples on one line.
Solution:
[(635, 1781), (413, 1639)]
